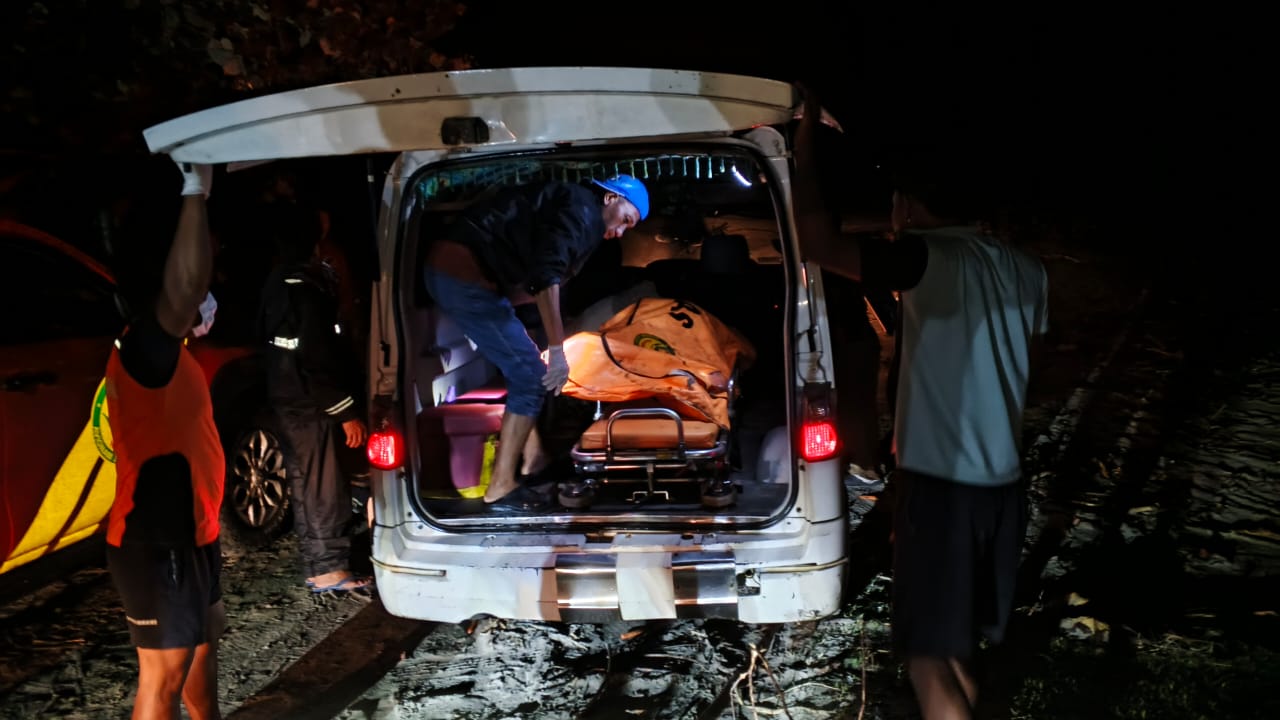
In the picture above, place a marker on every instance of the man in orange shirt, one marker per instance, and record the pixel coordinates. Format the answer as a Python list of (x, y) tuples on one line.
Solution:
[(162, 533)]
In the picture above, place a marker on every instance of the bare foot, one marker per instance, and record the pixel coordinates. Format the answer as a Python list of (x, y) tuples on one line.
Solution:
[(534, 469), (496, 492)]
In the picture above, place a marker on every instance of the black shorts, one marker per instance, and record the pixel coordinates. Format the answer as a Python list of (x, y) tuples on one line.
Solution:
[(172, 596), (955, 560)]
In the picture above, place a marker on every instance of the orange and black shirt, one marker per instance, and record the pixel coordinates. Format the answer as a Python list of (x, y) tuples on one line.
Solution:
[(169, 461)]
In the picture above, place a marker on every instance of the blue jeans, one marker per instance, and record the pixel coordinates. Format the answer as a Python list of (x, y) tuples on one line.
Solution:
[(489, 320)]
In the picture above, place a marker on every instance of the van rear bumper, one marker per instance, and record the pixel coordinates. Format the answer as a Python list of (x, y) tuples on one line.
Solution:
[(603, 587)]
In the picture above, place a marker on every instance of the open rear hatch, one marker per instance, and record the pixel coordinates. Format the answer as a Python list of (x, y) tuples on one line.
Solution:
[(475, 109)]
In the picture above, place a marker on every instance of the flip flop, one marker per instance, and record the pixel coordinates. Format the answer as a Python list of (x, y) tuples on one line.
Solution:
[(350, 583), (522, 498)]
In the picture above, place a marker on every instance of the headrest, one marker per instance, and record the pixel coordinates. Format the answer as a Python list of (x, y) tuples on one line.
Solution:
[(725, 254)]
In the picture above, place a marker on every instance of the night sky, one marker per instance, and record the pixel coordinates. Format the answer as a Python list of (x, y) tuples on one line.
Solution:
[(1088, 113), (1101, 115)]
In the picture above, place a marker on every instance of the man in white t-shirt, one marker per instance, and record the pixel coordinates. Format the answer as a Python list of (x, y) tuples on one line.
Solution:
[(971, 306)]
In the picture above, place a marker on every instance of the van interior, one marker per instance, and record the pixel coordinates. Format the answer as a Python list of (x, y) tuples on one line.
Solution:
[(656, 432)]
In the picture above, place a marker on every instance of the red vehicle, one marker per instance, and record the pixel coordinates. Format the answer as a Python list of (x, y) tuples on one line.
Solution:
[(57, 472)]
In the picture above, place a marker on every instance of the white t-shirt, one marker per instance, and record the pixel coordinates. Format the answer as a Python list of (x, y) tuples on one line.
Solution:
[(966, 344)]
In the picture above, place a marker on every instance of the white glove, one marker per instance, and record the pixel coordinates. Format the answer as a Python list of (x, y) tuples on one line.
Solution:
[(196, 179), (557, 370)]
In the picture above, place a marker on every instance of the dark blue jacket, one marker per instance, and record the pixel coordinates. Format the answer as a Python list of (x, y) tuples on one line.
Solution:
[(532, 236)]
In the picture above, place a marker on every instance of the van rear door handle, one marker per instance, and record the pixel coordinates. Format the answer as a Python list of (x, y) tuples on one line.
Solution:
[(27, 381)]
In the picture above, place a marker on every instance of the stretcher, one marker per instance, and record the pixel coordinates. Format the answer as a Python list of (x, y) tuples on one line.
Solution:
[(650, 449), (663, 374)]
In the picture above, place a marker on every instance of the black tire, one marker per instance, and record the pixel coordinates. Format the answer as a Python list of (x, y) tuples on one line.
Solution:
[(256, 509)]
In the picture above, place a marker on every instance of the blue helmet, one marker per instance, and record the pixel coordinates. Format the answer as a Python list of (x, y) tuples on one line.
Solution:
[(631, 189)]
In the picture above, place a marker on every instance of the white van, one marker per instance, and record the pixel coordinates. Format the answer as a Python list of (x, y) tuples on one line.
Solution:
[(656, 512)]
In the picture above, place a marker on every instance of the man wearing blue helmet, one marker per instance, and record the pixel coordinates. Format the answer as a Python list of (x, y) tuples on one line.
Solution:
[(525, 240)]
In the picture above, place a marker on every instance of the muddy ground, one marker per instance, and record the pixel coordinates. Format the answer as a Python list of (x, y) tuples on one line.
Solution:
[(1148, 590)]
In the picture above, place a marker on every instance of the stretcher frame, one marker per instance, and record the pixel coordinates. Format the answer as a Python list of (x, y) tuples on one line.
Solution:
[(612, 464)]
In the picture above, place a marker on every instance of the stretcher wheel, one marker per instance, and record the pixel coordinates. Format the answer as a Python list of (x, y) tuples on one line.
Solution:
[(718, 493), (577, 495)]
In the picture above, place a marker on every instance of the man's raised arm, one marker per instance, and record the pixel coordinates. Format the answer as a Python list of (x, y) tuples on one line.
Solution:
[(820, 240), (189, 266)]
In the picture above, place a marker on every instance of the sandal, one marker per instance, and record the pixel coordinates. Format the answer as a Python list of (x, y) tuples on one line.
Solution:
[(350, 583), (522, 498)]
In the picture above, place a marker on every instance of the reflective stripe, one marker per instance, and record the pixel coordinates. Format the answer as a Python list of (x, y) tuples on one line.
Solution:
[(292, 281), (337, 329), (340, 406), (284, 342)]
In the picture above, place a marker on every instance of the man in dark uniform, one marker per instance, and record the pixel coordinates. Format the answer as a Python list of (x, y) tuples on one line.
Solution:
[(312, 382), (162, 532), (525, 240)]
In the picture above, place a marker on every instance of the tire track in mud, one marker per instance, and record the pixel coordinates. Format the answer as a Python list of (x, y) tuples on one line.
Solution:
[(1099, 451), (1121, 499), (1165, 457), (1227, 464), (500, 669), (675, 670)]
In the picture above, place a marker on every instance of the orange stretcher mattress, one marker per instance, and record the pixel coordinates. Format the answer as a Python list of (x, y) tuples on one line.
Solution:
[(649, 434), (670, 351)]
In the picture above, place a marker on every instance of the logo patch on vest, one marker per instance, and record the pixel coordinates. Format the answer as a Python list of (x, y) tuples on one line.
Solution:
[(100, 424)]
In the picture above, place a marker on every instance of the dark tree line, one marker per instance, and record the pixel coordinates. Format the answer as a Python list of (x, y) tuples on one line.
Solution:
[(89, 74)]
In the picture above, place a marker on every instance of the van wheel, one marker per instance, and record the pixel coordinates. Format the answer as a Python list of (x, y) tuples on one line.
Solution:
[(255, 505)]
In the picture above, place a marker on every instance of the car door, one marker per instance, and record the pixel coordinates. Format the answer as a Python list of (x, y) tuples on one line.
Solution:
[(59, 322)]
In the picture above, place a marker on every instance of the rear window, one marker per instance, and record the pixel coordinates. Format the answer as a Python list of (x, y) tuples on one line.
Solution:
[(693, 195)]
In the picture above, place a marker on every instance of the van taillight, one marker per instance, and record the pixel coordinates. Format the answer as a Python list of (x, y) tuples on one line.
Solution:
[(819, 441), (386, 449), (818, 437)]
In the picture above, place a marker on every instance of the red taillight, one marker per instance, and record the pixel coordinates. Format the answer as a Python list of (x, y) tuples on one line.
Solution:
[(819, 441), (386, 449), (818, 437)]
